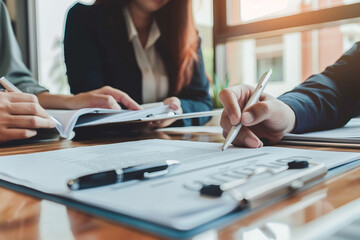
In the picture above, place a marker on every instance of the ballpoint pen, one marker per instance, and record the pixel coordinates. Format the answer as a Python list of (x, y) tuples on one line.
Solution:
[(253, 99), (8, 85), (139, 172), (12, 88)]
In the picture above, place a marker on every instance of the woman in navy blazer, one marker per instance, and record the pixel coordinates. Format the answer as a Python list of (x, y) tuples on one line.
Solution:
[(98, 52)]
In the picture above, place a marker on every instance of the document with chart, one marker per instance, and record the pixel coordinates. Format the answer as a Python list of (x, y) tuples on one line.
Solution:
[(172, 200)]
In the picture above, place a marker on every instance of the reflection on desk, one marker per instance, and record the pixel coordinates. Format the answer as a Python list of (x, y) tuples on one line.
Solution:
[(296, 217)]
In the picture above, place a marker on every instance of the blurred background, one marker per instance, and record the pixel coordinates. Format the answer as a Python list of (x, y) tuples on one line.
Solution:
[(241, 39)]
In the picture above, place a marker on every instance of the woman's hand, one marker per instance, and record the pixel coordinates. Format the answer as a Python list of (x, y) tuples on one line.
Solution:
[(20, 114), (268, 119), (175, 105), (105, 97)]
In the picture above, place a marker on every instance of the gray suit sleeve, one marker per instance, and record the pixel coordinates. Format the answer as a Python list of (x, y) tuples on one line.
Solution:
[(11, 64)]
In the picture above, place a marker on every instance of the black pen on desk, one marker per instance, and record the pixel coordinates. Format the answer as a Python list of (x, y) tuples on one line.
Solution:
[(139, 172)]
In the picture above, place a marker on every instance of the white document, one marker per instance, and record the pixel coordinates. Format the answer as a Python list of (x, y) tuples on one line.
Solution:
[(350, 133), (172, 200), (193, 129), (70, 119)]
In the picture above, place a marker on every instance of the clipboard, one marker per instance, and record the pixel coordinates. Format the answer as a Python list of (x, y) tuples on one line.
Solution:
[(162, 231), (129, 127), (260, 194), (176, 116)]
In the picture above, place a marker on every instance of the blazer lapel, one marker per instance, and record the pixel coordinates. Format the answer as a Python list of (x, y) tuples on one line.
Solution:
[(164, 53), (116, 30)]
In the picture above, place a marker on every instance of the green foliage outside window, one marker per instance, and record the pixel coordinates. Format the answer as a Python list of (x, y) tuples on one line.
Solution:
[(208, 55), (216, 86)]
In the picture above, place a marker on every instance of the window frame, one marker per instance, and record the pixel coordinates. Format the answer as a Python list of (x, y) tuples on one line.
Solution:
[(305, 21)]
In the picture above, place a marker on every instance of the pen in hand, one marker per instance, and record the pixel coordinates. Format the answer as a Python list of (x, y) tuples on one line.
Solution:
[(8, 85), (252, 100), (12, 88)]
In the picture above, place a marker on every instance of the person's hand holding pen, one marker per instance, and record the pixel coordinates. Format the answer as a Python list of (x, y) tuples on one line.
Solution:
[(20, 114), (267, 119)]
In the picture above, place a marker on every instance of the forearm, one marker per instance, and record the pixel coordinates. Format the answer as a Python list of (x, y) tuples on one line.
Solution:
[(329, 99), (55, 101), (105, 97), (317, 104)]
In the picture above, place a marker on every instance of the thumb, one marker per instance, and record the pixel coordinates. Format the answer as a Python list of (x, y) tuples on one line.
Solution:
[(107, 101), (173, 102), (120, 97), (255, 114)]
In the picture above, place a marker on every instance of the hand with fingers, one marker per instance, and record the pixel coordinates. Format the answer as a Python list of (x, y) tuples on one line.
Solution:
[(268, 119), (105, 97), (175, 105), (20, 115)]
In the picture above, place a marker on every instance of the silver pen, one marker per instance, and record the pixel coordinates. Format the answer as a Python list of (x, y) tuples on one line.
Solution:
[(8, 85), (253, 99)]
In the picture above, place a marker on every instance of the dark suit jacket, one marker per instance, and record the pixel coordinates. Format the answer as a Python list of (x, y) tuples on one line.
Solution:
[(330, 99), (98, 53)]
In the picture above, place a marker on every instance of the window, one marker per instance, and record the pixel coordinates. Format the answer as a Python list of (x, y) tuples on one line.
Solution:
[(50, 19), (204, 23), (269, 52), (244, 11), (296, 38)]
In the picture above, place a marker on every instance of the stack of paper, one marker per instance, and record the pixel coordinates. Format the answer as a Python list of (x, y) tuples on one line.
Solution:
[(349, 134)]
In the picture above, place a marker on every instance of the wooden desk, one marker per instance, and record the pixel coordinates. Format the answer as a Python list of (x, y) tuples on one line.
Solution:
[(24, 217)]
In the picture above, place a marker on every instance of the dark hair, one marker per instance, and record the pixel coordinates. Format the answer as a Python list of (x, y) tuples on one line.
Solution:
[(177, 28)]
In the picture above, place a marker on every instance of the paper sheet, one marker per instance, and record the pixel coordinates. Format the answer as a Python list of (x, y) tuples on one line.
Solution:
[(350, 133), (172, 200), (193, 129), (69, 119)]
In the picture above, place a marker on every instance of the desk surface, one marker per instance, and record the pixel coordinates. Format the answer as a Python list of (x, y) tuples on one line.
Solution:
[(24, 217)]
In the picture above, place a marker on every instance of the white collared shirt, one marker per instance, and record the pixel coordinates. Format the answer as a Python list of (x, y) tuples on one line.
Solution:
[(155, 85)]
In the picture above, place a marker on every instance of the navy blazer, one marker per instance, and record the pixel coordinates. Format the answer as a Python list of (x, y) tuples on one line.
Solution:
[(330, 99), (98, 53)]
